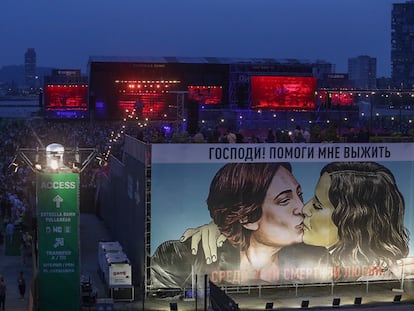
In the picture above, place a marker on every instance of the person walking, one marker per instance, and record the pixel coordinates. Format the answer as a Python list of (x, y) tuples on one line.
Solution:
[(2, 293), (21, 283)]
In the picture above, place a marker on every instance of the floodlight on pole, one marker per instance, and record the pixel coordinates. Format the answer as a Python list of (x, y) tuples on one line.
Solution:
[(54, 156), (38, 166)]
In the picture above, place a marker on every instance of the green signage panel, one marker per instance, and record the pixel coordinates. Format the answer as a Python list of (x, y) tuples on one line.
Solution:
[(58, 241)]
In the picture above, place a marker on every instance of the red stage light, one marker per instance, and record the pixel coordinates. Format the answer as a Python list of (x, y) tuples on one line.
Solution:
[(208, 95), (283, 92)]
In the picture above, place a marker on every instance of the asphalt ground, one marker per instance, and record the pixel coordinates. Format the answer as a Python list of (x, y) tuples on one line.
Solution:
[(378, 296), (11, 264)]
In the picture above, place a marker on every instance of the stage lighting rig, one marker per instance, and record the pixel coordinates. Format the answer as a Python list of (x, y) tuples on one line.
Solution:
[(55, 158)]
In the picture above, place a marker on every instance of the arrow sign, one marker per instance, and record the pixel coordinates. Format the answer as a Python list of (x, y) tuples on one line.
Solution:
[(57, 199)]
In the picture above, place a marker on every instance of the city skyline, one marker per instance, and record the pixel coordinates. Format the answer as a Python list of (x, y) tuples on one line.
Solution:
[(66, 35)]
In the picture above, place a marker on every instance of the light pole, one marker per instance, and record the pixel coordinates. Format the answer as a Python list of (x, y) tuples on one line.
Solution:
[(57, 195)]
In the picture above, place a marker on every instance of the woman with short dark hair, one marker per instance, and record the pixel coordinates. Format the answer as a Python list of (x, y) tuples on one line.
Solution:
[(258, 208)]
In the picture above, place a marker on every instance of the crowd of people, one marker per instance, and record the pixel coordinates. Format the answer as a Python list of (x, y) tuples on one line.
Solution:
[(17, 188), (311, 134), (17, 182)]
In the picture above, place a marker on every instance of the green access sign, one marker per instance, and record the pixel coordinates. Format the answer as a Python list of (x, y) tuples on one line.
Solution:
[(58, 241)]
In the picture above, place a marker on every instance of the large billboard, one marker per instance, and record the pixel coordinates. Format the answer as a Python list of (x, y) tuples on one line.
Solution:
[(66, 97), (66, 101), (249, 214), (283, 92)]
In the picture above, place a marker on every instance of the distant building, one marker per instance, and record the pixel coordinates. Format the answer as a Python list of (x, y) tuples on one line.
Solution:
[(402, 45), (30, 68), (321, 68), (362, 71)]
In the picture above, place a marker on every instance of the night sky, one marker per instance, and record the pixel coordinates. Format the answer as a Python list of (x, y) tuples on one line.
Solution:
[(65, 33)]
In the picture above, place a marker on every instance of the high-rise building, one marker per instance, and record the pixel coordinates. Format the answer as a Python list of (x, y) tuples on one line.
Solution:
[(362, 71), (402, 45), (30, 67)]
